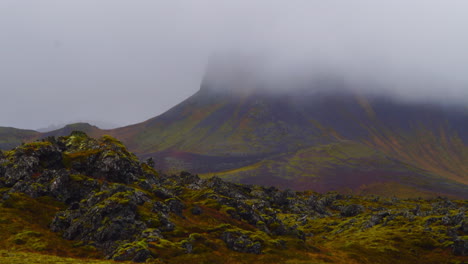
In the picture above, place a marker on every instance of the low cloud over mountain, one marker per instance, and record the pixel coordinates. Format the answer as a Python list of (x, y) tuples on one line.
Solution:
[(126, 61)]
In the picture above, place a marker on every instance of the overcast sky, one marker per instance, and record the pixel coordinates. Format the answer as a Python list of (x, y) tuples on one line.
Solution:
[(123, 62)]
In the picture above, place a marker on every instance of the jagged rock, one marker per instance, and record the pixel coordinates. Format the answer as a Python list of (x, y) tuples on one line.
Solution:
[(151, 234), (110, 216), (443, 206), (351, 210), (196, 210), (240, 242), (460, 247), (163, 193), (452, 233), (150, 162), (319, 205), (417, 210), (136, 252), (24, 169), (160, 207), (376, 219), (457, 219), (175, 206), (431, 220), (464, 227), (282, 198), (188, 247), (190, 180)]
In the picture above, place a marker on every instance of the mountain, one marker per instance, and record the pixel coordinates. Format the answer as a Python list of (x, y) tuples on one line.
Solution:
[(100, 124), (90, 130), (319, 135), (303, 139), (76, 199)]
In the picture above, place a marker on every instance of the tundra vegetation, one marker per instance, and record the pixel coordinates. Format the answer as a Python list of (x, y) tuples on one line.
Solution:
[(75, 199)]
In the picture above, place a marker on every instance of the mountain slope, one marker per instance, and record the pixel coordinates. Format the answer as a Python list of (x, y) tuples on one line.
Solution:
[(279, 138), (344, 166), (11, 137), (258, 134)]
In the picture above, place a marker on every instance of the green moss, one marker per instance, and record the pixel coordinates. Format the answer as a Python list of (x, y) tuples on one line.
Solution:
[(114, 147), (148, 169), (34, 146), (221, 227), (80, 178), (227, 209), (30, 239), (8, 256), (211, 203), (129, 250), (111, 141), (68, 159), (145, 214), (119, 198)]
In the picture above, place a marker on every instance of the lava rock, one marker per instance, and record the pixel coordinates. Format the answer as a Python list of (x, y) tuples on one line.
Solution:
[(240, 242), (351, 210), (196, 210), (460, 247)]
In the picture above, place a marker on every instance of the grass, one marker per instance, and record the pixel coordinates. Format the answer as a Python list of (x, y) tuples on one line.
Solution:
[(25, 237), (24, 223), (18, 257)]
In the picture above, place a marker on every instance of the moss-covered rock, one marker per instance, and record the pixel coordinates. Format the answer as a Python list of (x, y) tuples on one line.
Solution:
[(99, 195)]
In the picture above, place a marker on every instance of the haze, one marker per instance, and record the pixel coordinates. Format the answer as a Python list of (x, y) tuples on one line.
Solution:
[(123, 62)]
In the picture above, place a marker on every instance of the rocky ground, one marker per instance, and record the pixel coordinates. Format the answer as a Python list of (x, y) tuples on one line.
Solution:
[(96, 197)]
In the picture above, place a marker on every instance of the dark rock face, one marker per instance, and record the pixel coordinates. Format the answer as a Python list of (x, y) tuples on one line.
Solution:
[(109, 216)]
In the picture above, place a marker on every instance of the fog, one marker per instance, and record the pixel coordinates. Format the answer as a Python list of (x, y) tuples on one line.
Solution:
[(122, 62)]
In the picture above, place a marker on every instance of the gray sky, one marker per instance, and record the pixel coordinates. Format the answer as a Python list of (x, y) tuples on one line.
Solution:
[(123, 62)]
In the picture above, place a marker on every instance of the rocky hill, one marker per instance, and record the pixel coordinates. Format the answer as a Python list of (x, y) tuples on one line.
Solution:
[(79, 197)]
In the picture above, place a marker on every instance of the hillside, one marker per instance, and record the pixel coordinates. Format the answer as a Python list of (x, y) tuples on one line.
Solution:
[(302, 139), (11, 137), (77, 199)]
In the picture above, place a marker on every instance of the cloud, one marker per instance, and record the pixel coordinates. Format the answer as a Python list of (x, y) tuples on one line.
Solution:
[(412, 49), (126, 61)]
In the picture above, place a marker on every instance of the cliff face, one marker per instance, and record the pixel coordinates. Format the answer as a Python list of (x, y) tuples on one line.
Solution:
[(100, 197)]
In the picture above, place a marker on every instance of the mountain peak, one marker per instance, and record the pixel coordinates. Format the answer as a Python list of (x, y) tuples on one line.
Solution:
[(81, 126)]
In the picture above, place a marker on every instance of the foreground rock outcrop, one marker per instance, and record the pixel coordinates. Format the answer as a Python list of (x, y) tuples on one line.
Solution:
[(113, 202)]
